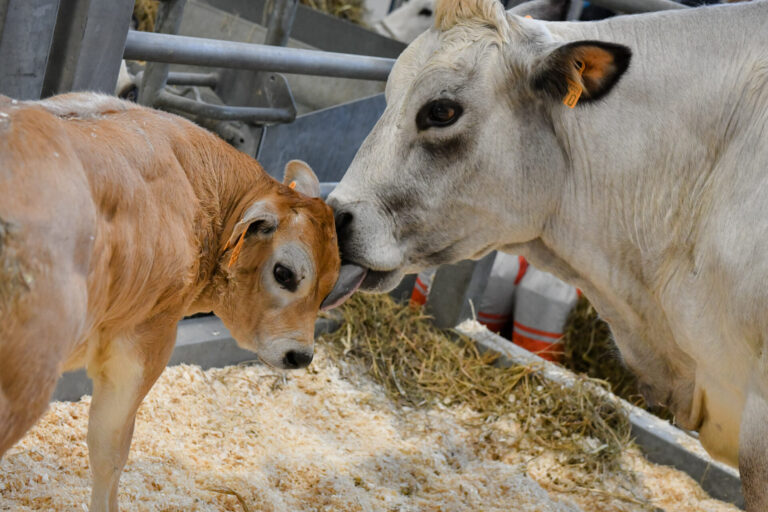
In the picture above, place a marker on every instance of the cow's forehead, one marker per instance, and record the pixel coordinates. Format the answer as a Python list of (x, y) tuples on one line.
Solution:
[(410, 62), (455, 53), (464, 47)]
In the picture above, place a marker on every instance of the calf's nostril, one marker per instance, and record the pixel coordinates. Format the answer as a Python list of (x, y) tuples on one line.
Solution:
[(343, 221), (297, 359)]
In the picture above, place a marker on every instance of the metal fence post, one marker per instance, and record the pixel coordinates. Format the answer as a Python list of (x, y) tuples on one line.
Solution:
[(25, 46), (88, 43), (251, 88), (402, 292), (574, 11), (454, 287), (156, 73), (278, 18), (3, 11)]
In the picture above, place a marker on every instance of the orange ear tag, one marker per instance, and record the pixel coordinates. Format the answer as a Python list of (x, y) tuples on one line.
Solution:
[(292, 185), (236, 250), (574, 89), (528, 16)]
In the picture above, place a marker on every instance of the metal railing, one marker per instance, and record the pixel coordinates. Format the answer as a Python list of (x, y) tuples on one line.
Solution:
[(637, 6), (164, 47), (241, 63), (173, 49)]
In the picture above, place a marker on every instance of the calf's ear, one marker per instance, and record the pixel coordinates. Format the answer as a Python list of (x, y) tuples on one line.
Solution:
[(259, 221), (581, 71), (300, 177)]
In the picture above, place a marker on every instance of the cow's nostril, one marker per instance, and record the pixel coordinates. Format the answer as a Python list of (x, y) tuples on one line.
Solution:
[(343, 221), (297, 359)]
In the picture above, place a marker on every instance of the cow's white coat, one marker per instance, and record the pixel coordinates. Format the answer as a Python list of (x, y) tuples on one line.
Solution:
[(652, 200)]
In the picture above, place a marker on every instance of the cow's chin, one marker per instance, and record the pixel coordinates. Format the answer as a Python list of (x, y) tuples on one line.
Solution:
[(380, 281)]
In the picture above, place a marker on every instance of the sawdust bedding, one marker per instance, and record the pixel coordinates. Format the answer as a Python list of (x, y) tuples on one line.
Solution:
[(247, 438)]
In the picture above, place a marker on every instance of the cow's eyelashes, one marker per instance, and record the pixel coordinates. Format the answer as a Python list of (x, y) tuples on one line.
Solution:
[(438, 114), (285, 277)]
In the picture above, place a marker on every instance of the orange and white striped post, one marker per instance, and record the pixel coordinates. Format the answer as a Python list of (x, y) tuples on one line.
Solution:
[(421, 287), (497, 304), (542, 306)]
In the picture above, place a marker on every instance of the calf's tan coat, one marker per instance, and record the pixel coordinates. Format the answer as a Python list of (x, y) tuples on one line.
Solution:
[(117, 220)]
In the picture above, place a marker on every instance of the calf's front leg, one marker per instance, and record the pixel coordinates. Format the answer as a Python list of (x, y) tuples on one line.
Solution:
[(122, 375), (753, 445)]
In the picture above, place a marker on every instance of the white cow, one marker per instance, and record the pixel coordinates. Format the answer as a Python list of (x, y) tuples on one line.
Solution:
[(414, 17), (650, 195)]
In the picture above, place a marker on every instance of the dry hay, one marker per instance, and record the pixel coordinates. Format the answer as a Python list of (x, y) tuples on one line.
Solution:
[(350, 10), (422, 365), (145, 12), (584, 436), (332, 438), (589, 349)]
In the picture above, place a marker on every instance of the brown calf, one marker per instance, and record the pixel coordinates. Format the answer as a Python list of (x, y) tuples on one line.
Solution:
[(116, 221)]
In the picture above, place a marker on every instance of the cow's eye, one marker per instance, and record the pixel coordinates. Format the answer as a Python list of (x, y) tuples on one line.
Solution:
[(438, 113), (426, 11), (285, 277)]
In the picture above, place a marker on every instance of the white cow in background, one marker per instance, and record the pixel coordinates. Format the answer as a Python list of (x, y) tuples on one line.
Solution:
[(414, 17), (407, 21), (127, 86), (629, 157)]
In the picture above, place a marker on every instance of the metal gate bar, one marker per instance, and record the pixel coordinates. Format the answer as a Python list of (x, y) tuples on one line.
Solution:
[(173, 49), (636, 6)]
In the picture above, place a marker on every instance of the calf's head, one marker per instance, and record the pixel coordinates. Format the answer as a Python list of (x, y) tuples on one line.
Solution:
[(466, 157), (280, 261)]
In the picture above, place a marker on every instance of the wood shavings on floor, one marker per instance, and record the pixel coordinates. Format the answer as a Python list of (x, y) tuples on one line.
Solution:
[(325, 439)]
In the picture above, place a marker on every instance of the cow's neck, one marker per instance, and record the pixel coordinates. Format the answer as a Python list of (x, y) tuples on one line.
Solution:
[(644, 160), (643, 164)]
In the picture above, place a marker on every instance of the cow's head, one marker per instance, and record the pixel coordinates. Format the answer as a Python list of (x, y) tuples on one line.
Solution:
[(280, 261), (465, 158)]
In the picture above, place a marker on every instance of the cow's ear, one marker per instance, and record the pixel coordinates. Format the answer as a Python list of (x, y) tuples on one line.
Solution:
[(258, 222), (545, 10), (581, 71), (300, 177)]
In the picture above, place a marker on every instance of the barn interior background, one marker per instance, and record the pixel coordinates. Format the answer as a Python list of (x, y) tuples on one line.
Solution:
[(282, 80)]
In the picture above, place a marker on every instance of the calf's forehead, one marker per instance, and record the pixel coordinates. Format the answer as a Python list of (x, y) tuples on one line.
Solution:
[(311, 224)]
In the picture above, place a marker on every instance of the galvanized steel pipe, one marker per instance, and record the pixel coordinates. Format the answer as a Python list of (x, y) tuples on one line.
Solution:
[(174, 49), (184, 78), (155, 75), (224, 112), (279, 15), (636, 6)]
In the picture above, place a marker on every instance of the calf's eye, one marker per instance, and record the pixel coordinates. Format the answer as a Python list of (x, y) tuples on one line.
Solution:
[(438, 113), (285, 277)]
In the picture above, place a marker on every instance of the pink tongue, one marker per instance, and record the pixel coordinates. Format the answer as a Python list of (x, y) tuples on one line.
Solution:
[(350, 278)]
